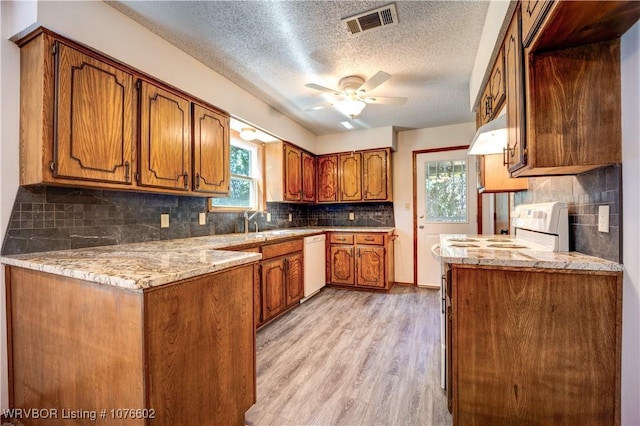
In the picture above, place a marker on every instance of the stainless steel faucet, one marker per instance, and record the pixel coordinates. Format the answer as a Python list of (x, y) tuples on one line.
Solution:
[(247, 218)]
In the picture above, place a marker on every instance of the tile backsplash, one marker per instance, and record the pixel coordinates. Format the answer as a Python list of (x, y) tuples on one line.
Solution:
[(584, 193), (55, 218)]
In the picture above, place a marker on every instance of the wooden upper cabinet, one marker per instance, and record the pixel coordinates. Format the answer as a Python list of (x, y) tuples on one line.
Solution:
[(494, 93), (376, 166), (328, 178), (211, 144), (165, 142), (497, 84), (350, 174), (292, 173), (494, 176), (95, 133), (515, 156), (308, 177), (533, 12)]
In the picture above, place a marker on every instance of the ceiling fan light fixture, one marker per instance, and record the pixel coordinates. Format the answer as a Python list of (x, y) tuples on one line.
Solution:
[(247, 134), (351, 107)]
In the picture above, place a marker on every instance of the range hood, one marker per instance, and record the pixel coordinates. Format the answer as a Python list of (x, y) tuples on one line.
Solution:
[(490, 138)]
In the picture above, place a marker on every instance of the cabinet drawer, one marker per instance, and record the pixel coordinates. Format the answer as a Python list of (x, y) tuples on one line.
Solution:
[(341, 239), (372, 239), (279, 249)]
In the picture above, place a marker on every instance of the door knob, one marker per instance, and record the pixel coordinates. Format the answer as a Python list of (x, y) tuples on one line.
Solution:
[(421, 226)]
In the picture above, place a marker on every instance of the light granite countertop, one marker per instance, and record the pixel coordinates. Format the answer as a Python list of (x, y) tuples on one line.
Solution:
[(529, 258), (142, 265)]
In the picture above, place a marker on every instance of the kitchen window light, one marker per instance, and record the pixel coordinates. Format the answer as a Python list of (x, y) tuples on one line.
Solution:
[(246, 182)]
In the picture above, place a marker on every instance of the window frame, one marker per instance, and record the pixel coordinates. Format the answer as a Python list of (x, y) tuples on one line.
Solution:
[(466, 196), (257, 176)]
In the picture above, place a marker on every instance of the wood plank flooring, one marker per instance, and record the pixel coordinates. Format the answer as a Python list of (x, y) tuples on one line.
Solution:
[(352, 358)]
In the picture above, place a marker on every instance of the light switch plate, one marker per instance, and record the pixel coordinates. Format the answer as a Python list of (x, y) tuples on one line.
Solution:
[(352, 216), (164, 220), (603, 218), (268, 217), (202, 218), (290, 217)]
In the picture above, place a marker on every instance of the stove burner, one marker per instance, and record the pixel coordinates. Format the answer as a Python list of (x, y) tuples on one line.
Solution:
[(500, 240), (465, 245), (462, 240), (509, 246)]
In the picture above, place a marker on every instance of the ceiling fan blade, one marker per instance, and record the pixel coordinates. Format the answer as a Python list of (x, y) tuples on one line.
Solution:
[(376, 80), (323, 89), (317, 107), (384, 100)]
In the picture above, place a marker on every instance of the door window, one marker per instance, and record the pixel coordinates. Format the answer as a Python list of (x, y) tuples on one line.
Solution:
[(446, 191)]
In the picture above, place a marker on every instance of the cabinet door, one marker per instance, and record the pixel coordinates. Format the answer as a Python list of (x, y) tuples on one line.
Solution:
[(485, 105), (376, 168), (210, 151), (94, 121), (273, 288), (292, 173), (341, 265), (533, 13), (165, 128), (350, 174), (294, 278), (515, 154), (308, 177), (495, 176), (327, 178), (370, 266), (497, 84)]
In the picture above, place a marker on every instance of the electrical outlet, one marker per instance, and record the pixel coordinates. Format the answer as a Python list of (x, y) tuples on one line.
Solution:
[(164, 220), (603, 218), (290, 217), (352, 216), (202, 218), (268, 217)]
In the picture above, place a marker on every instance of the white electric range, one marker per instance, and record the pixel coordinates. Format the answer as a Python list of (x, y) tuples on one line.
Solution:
[(541, 227)]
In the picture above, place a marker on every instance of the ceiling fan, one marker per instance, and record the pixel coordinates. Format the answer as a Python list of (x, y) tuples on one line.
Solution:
[(353, 94)]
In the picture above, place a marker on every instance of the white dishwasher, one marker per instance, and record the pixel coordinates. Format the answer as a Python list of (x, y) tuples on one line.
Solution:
[(314, 265)]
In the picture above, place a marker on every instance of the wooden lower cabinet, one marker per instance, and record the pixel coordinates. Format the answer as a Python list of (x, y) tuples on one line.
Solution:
[(184, 351), (534, 346), (282, 278), (361, 260)]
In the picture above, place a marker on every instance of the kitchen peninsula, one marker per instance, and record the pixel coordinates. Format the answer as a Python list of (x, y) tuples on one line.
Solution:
[(166, 328), (531, 335)]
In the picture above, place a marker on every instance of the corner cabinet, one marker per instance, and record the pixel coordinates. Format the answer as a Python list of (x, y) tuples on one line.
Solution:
[(363, 260), (90, 121), (165, 138), (211, 151), (290, 173), (355, 176)]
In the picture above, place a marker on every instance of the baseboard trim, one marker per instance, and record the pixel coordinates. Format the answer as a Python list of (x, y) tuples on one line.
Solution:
[(430, 287), (404, 284)]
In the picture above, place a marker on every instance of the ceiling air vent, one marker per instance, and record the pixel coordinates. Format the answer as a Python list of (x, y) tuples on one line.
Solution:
[(372, 20)]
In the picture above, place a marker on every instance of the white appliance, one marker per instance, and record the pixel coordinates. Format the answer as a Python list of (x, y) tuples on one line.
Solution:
[(314, 265)]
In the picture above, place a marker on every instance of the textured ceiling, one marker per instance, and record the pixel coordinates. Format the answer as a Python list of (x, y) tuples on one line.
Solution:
[(273, 48)]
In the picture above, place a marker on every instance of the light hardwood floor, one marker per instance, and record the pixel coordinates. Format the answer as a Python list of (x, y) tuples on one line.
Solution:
[(353, 358)]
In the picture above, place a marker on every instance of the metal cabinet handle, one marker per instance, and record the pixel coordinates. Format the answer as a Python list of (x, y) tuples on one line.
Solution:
[(197, 185), (127, 176)]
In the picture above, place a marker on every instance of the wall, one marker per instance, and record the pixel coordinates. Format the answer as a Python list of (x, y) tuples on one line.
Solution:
[(409, 141), (381, 137), (584, 193), (630, 58)]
